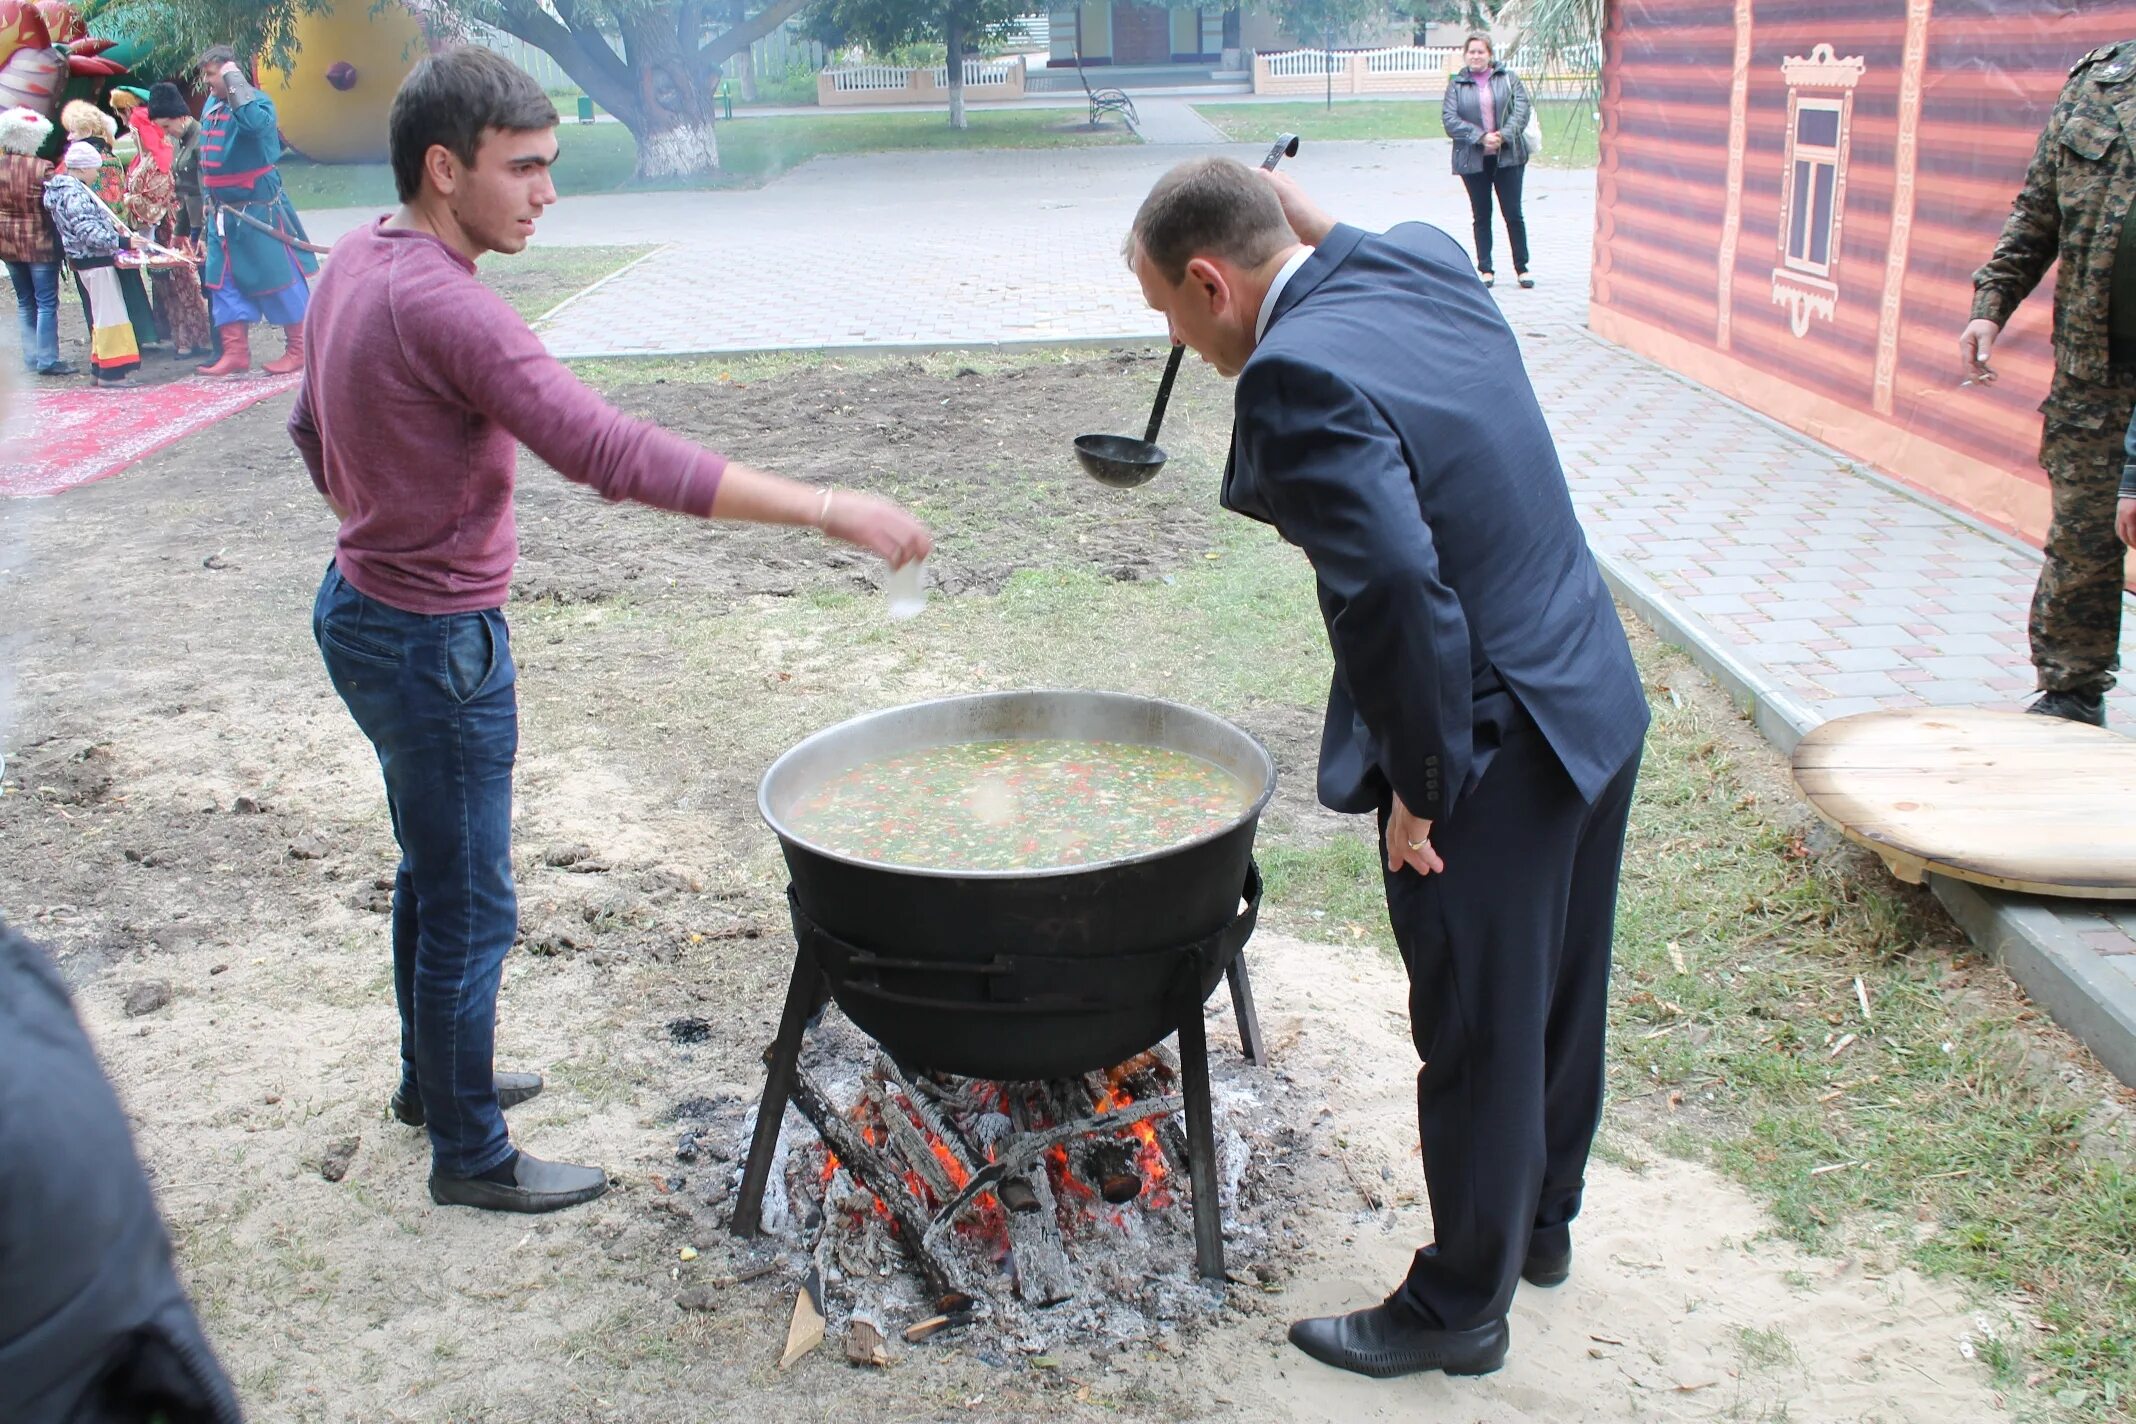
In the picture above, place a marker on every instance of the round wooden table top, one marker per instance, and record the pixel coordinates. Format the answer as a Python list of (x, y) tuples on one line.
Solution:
[(2034, 804)]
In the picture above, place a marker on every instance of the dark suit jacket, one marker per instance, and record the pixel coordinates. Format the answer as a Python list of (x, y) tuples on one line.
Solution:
[(1385, 425)]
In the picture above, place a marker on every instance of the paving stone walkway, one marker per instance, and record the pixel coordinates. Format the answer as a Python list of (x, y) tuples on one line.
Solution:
[(1812, 587), (1173, 121)]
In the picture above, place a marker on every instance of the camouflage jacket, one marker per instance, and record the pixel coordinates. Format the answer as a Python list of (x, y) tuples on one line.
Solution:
[(2076, 197)]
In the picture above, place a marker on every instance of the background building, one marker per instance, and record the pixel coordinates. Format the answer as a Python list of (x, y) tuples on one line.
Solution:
[(1793, 197)]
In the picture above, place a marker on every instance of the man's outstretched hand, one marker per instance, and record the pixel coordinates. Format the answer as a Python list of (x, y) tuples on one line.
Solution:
[(1305, 217), (877, 524)]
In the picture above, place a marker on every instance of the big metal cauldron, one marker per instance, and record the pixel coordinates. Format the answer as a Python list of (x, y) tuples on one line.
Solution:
[(1023, 974)]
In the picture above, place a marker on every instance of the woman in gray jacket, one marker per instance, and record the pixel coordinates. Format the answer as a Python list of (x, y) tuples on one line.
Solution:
[(1486, 115)]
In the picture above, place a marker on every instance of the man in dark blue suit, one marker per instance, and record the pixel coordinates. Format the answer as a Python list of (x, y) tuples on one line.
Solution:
[(1485, 704)]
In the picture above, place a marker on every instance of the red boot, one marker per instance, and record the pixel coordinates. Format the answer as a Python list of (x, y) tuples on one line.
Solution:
[(237, 352), (291, 360)]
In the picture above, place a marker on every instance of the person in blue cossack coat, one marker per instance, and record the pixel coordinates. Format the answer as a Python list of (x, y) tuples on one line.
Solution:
[(255, 269)]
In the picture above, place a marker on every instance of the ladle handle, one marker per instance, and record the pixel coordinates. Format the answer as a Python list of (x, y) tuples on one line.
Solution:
[(1286, 146), (1164, 393)]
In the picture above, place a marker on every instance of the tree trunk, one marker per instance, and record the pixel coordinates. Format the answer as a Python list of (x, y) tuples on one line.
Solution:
[(953, 35), (672, 121), (661, 85)]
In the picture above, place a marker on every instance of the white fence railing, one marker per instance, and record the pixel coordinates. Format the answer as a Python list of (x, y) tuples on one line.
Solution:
[(1293, 64), (978, 73), (1401, 69), (1436, 63), (888, 84), (869, 76)]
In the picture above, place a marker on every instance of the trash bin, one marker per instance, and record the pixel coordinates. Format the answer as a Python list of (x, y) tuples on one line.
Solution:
[(585, 109)]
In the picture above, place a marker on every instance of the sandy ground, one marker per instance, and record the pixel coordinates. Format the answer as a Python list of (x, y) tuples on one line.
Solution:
[(189, 806)]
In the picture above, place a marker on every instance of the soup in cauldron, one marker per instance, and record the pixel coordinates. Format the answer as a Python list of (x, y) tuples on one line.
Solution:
[(1019, 805)]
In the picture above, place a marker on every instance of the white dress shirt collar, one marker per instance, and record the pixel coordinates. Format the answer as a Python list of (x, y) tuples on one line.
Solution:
[(1275, 290)]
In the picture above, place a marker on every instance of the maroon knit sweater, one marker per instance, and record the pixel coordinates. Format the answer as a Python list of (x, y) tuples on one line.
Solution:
[(420, 386)]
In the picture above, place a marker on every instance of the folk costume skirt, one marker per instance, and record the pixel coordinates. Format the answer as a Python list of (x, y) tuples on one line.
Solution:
[(113, 352)]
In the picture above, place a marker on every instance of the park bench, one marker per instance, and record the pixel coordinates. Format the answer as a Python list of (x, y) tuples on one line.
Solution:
[(1105, 101)]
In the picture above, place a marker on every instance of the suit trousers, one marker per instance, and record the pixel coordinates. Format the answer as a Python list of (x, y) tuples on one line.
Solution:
[(1508, 952)]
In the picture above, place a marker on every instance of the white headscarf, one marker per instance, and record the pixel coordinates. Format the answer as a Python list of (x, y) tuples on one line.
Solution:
[(81, 155)]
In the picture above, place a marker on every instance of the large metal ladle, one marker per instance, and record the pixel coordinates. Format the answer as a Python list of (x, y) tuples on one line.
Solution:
[(1121, 460)]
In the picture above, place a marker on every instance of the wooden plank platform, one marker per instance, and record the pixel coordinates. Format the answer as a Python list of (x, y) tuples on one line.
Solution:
[(2038, 805)]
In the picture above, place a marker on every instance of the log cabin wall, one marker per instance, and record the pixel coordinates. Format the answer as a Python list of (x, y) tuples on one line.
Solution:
[(1793, 196)]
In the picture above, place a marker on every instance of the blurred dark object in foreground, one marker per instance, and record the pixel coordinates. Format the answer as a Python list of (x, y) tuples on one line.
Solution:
[(94, 1327)]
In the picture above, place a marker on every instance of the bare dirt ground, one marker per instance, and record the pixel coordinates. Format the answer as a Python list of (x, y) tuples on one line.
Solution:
[(189, 809)]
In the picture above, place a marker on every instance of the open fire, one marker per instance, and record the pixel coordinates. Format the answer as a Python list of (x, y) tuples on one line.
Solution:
[(982, 1181)]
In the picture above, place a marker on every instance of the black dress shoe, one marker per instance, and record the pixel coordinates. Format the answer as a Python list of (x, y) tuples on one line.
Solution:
[(2086, 707), (1388, 1340), (535, 1186), (512, 1090), (1547, 1268)]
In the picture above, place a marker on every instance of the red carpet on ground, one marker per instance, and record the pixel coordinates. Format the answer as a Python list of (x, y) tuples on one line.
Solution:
[(57, 439)]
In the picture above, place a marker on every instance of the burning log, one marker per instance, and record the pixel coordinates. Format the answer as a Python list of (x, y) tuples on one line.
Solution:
[(1110, 1162), (1043, 1276), (872, 1168), (930, 1116), (1017, 1193), (1036, 1250), (910, 1145)]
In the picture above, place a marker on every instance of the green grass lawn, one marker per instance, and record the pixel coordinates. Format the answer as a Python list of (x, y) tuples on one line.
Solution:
[(597, 158), (537, 280), (1569, 131)]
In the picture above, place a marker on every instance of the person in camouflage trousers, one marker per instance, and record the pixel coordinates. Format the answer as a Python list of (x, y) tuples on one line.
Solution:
[(2075, 207)]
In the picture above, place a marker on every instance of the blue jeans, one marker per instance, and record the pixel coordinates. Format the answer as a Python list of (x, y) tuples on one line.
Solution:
[(436, 696), (37, 309)]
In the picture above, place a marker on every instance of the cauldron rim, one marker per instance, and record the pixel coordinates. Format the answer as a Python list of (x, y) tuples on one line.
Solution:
[(790, 837)]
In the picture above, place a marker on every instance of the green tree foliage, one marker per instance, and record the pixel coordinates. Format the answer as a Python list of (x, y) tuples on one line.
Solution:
[(651, 63), (960, 26)]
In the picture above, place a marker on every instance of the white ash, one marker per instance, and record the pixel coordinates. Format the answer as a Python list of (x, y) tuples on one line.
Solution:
[(1133, 1265)]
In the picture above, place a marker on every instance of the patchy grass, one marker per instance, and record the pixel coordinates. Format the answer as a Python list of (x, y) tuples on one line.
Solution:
[(1570, 133), (598, 158), (1326, 891), (535, 281)]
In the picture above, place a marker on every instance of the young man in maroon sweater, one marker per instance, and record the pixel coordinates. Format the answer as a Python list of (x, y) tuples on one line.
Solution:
[(421, 387)]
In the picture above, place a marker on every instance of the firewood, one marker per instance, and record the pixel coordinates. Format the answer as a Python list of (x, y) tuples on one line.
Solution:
[(869, 1166), (1043, 1276), (864, 1345), (936, 1324), (1034, 1237), (910, 1145), (805, 1332), (930, 1115)]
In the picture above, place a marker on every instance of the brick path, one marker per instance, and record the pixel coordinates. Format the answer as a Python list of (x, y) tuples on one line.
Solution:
[(1822, 590)]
